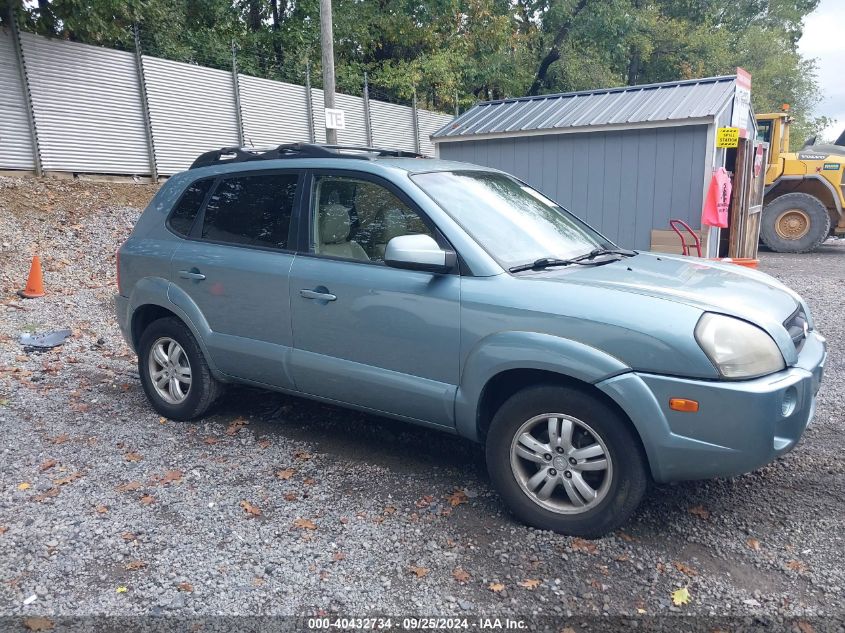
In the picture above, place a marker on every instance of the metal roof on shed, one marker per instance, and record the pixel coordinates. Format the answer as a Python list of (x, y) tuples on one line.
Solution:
[(634, 105)]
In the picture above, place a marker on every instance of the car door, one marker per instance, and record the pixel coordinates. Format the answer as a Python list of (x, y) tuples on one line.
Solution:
[(234, 268), (364, 333)]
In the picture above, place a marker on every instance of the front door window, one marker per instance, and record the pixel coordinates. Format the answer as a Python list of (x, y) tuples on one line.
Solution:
[(357, 218)]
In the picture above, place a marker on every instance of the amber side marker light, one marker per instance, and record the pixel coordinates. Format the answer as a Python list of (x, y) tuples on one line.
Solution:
[(682, 404)]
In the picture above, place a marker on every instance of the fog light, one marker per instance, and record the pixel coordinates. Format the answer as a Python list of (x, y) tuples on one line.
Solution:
[(790, 400), (682, 404)]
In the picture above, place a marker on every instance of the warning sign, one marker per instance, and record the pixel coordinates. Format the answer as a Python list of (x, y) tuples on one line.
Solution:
[(727, 137)]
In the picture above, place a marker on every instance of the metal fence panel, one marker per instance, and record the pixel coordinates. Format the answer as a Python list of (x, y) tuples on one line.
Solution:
[(356, 130), (319, 116), (429, 123), (273, 112), (192, 110), (88, 111), (87, 107), (15, 138), (393, 126)]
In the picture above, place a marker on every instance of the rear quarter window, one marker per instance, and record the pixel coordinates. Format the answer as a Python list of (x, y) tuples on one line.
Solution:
[(185, 212)]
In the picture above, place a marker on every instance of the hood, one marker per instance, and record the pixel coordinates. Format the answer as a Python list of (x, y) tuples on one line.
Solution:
[(710, 286)]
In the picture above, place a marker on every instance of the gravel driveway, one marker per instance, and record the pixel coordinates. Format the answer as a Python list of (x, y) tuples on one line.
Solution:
[(277, 505)]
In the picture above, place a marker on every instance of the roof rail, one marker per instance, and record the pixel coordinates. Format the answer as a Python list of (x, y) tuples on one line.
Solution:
[(378, 151), (297, 150)]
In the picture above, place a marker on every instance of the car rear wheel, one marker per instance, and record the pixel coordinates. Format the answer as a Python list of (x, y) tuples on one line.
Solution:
[(174, 374), (566, 461)]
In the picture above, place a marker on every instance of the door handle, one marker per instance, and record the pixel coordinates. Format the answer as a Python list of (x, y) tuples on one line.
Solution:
[(315, 294), (191, 274)]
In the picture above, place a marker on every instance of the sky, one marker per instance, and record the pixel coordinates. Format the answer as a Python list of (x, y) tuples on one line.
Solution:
[(824, 39)]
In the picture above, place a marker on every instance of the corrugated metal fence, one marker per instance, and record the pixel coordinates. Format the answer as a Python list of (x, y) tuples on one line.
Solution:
[(66, 106), (15, 138)]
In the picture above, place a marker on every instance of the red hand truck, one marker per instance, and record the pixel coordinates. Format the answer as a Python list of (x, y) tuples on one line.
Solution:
[(685, 246)]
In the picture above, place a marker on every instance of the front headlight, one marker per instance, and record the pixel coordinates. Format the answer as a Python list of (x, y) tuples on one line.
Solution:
[(737, 349)]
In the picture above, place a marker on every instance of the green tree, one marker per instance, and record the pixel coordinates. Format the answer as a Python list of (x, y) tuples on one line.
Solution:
[(466, 50)]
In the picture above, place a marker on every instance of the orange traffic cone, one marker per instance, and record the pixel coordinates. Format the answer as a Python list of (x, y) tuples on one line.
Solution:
[(35, 282)]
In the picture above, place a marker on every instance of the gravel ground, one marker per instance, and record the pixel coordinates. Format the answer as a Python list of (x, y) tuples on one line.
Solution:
[(276, 505)]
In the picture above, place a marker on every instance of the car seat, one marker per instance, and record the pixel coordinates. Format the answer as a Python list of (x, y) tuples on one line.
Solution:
[(335, 225)]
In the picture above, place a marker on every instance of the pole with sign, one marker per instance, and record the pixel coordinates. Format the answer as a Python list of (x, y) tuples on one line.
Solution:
[(335, 119), (327, 42)]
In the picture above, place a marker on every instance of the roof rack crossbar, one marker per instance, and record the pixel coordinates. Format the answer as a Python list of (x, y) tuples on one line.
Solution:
[(296, 150)]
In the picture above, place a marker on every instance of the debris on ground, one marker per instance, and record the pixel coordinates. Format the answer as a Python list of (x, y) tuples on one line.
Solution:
[(45, 340)]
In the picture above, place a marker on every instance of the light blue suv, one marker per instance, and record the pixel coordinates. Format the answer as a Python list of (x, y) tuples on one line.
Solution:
[(457, 297)]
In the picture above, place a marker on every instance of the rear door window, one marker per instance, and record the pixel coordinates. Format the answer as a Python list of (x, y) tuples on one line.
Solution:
[(252, 210), (183, 216)]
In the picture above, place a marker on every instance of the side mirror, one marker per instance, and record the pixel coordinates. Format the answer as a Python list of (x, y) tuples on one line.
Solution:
[(418, 252)]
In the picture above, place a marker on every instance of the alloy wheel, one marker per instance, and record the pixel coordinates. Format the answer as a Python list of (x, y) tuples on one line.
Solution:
[(170, 370), (561, 463)]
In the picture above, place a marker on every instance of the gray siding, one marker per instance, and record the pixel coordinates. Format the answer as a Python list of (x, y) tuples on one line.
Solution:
[(624, 183)]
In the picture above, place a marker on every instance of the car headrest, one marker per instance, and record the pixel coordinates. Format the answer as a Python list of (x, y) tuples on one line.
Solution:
[(395, 224), (334, 223)]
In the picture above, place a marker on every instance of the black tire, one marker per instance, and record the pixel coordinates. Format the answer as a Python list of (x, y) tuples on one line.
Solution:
[(629, 479), (203, 390), (817, 232)]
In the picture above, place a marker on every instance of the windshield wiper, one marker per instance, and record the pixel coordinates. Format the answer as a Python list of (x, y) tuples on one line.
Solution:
[(587, 259), (624, 252)]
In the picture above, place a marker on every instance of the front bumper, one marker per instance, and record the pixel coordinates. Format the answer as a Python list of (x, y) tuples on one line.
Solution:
[(739, 426)]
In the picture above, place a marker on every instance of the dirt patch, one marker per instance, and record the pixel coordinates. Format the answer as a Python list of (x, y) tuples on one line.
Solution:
[(74, 226), (30, 196)]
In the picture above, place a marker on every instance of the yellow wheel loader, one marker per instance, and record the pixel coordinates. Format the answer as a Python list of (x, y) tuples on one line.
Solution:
[(805, 190)]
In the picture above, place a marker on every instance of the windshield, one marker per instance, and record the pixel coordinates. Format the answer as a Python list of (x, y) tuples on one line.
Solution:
[(514, 223)]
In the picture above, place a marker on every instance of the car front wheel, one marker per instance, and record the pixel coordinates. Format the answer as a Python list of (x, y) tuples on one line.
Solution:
[(173, 371), (566, 461)]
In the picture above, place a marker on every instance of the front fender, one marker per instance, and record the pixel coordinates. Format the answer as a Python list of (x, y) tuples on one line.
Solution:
[(504, 351)]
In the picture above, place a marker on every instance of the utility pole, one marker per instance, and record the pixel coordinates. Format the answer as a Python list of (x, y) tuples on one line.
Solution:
[(327, 42)]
